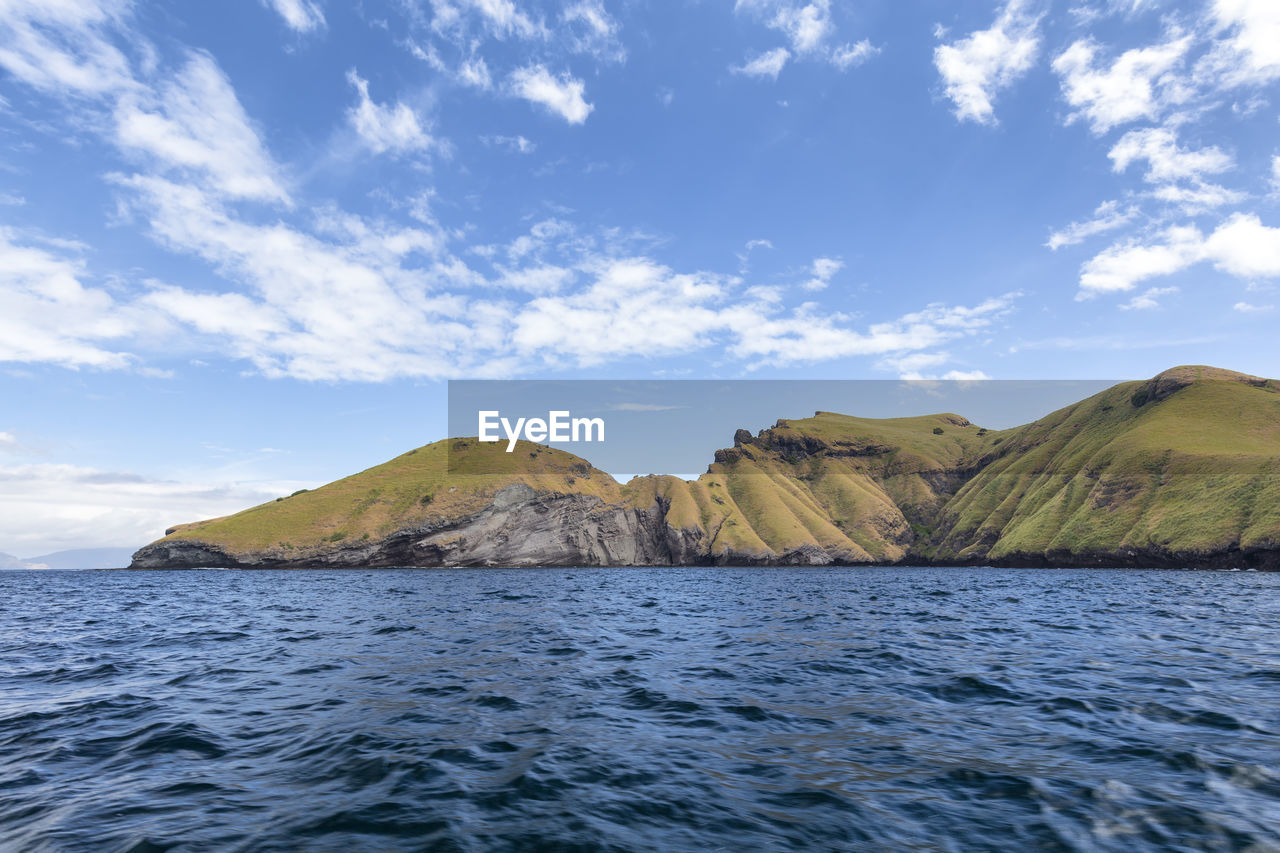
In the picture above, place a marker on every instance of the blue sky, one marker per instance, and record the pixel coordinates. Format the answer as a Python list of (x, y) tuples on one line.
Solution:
[(243, 244)]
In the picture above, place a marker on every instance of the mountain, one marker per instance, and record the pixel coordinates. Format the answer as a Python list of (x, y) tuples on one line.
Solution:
[(8, 561), (1180, 470)]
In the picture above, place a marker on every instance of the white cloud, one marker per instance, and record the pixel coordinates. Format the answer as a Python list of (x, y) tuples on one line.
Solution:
[(352, 306), (1244, 247), (562, 95), (1241, 246), (543, 279), (516, 144), (965, 376), (472, 71), (767, 64), (744, 257), (821, 272), (977, 67), (913, 366), (852, 55), (1137, 85), (500, 18), (1166, 162), (194, 123), (48, 315), (636, 307), (1251, 54), (810, 335), (1120, 267), (62, 46), (1246, 308), (386, 128), (593, 30), (1198, 198), (191, 122), (1148, 299), (301, 15), (475, 72), (1107, 217), (1183, 84), (541, 237), (427, 54), (51, 507), (807, 27)]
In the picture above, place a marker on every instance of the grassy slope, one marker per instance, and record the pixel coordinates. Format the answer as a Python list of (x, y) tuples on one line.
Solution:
[(412, 489), (1194, 471), (832, 481)]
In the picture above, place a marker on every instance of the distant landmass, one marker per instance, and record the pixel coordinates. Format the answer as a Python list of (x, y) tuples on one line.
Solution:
[(86, 558), (78, 558), (1182, 470)]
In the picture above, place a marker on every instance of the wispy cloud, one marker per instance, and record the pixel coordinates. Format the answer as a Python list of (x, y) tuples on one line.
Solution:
[(516, 144), (809, 31), (976, 68), (386, 128), (1136, 85), (1107, 217), (1148, 299), (50, 507), (821, 272), (47, 313), (562, 94), (1240, 246), (767, 64), (193, 125), (303, 16)]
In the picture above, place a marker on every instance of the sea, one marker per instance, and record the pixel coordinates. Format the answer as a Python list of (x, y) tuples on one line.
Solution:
[(671, 709)]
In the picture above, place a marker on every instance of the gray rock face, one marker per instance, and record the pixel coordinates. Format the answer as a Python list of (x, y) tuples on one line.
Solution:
[(521, 528), (179, 554)]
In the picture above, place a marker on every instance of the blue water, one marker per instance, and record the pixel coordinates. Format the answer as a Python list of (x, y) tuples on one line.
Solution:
[(640, 709)]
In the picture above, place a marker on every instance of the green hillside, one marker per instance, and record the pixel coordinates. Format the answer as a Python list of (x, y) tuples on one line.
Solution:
[(1187, 463), (860, 489), (413, 489)]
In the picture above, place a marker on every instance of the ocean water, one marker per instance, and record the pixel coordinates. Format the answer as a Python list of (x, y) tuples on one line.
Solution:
[(640, 709)]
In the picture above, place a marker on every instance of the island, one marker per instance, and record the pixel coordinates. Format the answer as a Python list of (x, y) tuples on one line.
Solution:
[(1178, 471)]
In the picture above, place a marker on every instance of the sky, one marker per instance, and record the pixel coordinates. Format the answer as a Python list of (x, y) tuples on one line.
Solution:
[(244, 245)]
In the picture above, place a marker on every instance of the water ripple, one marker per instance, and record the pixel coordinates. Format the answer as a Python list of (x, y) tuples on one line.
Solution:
[(670, 709)]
